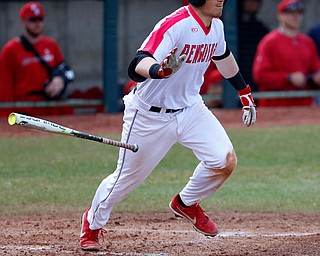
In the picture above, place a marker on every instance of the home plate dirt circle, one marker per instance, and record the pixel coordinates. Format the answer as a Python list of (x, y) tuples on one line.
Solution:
[(163, 234), (241, 233)]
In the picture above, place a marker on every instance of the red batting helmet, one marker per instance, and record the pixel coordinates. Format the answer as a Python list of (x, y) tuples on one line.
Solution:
[(197, 2), (200, 2)]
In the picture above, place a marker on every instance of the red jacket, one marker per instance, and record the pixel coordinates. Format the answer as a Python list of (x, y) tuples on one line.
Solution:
[(277, 56), (22, 75)]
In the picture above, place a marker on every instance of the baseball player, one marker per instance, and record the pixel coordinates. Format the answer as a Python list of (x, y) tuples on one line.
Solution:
[(165, 108)]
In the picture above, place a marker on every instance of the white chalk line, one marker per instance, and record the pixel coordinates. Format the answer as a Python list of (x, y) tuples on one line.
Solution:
[(231, 234), (248, 234), (222, 234)]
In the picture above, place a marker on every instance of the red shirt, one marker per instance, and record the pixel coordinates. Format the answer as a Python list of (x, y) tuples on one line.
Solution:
[(22, 74), (277, 56)]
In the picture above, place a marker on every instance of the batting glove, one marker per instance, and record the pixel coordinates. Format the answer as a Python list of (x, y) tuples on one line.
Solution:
[(249, 115), (171, 64)]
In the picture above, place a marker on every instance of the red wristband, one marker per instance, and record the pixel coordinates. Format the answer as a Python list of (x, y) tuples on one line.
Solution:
[(244, 91)]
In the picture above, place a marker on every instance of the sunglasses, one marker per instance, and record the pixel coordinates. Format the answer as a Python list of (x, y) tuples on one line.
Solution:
[(295, 7), (35, 19)]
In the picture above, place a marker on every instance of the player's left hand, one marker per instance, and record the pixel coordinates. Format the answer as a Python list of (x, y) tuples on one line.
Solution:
[(171, 64), (316, 78), (249, 116)]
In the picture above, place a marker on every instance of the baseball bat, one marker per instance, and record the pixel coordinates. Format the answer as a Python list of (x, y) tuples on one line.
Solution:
[(47, 126)]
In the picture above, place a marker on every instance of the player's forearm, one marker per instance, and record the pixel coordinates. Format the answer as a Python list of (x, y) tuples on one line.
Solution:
[(144, 65), (228, 66)]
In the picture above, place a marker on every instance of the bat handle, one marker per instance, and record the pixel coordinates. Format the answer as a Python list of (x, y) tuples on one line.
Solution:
[(133, 147)]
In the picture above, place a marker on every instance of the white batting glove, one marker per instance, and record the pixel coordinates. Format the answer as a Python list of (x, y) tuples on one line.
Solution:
[(249, 116), (171, 64)]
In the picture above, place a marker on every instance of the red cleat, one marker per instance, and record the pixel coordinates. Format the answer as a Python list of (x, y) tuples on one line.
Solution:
[(194, 213), (89, 239)]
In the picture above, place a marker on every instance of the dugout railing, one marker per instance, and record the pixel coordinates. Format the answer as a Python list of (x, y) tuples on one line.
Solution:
[(99, 38), (270, 95), (85, 106)]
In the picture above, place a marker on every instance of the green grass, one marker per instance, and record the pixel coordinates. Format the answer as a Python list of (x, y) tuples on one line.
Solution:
[(278, 170)]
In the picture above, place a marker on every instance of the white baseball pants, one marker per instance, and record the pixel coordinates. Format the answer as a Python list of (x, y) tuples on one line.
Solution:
[(194, 127)]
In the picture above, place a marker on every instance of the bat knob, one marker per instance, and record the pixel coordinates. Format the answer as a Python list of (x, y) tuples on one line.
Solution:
[(135, 148)]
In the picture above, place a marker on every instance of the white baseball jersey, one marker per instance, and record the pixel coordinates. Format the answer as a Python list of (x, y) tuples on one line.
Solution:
[(182, 29)]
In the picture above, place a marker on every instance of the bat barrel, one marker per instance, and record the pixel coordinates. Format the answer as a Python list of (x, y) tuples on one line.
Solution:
[(47, 126), (37, 124)]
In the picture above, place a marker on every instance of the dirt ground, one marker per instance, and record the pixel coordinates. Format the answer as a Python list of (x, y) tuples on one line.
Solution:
[(163, 234)]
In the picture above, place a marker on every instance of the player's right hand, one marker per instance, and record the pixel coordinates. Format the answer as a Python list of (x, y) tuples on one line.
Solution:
[(249, 116), (298, 79), (171, 64), (55, 87)]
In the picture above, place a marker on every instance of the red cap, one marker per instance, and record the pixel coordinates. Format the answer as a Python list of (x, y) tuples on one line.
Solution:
[(31, 10), (290, 6)]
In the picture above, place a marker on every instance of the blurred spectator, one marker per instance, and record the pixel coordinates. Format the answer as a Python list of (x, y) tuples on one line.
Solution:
[(129, 86), (212, 84), (314, 33), (286, 59), (250, 32), (32, 67), (212, 77)]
